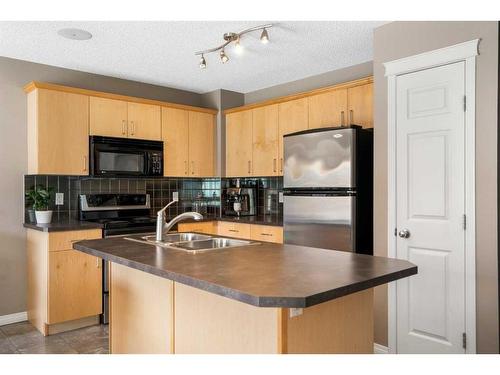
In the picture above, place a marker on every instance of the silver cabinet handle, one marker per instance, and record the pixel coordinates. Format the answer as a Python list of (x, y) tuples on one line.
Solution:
[(249, 166), (185, 167), (274, 165), (266, 234), (192, 167), (404, 233), (233, 230), (84, 163), (132, 127), (342, 123), (124, 130), (351, 117), (281, 164)]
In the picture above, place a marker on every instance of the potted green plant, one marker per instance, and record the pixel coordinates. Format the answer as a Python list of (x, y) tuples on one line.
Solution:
[(40, 197)]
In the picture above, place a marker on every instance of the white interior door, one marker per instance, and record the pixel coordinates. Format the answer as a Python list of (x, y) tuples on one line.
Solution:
[(430, 206)]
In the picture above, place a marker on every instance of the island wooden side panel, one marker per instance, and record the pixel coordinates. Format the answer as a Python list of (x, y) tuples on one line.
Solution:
[(342, 325), (208, 323), (141, 312)]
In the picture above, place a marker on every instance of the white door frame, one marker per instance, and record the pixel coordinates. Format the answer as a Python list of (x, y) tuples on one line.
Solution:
[(466, 52)]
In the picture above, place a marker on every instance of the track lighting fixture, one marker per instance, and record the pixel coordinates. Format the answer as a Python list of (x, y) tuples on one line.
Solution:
[(203, 63), (234, 37), (264, 37), (223, 57)]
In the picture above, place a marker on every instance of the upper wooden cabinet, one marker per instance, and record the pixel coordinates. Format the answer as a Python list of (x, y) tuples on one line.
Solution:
[(239, 144), (108, 117), (360, 105), (188, 138), (328, 109), (58, 132), (201, 144), (175, 135), (266, 123), (293, 117), (265, 141), (144, 121), (118, 118)]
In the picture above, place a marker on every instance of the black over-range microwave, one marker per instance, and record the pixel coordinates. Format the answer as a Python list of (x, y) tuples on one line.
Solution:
[(115, 157)]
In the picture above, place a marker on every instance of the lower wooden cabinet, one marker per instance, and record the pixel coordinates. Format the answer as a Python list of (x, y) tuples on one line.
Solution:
[(266, 233), (64, 285), (75, 286)]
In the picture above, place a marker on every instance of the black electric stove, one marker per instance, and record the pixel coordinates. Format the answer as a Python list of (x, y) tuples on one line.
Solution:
[(120, 214)]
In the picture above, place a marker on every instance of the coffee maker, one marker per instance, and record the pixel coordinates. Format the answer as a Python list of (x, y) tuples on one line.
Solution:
[(239, 201)]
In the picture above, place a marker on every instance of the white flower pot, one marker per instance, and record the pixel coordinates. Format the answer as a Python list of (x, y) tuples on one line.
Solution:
[(43, 217)]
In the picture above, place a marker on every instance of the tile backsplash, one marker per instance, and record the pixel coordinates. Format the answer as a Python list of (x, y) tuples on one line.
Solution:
[(200, 193), (195, 194)]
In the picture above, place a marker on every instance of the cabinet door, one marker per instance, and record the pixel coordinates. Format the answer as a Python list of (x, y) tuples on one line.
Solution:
[(75, 286), (175, 135), (239, 144), (265, 141), (201, 144), (360, 104), (61, 132), (144, 121), (108, 117), (328, 109), (293, 117)]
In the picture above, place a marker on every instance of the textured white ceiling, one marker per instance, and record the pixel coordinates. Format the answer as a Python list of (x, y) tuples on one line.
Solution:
[(162, 53)]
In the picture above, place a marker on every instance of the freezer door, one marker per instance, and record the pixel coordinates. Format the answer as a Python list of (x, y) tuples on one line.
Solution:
[(320, 159), (326, 222)]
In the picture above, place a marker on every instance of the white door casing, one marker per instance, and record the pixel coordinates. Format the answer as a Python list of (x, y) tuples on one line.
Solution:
[(431, 187)]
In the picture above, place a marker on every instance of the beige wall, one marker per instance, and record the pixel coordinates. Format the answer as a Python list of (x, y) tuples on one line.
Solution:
[(310, 83), (401, 39), (14, 74)]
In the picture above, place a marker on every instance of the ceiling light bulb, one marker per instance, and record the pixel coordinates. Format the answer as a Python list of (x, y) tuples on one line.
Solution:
[(223, 57), (264, 37), (238, 48), (203, 63)]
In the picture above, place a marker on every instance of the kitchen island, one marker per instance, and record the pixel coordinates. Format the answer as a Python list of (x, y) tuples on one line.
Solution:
[(262, 298)]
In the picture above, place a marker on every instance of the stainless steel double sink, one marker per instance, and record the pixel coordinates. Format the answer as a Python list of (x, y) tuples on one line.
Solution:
[(192, 242)]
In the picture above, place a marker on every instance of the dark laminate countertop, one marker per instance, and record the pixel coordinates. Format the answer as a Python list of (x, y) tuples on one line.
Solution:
[(267, 275), (63, 224)]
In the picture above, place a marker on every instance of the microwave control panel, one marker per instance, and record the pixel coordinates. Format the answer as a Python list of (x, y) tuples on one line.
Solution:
[(156, 162)]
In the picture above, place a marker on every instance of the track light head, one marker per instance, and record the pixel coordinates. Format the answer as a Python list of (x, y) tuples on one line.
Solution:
[(223, 57), (203, 63), (264, 37), (238, 48)]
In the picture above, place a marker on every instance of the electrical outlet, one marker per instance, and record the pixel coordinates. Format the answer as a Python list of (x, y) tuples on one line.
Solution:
[(280, 197), (59, 199), (175, 196)]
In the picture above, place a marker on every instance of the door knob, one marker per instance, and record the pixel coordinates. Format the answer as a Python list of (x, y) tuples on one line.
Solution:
[(404, 233)]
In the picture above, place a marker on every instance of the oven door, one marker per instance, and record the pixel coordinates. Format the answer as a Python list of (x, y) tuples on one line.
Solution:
[(123, 157)]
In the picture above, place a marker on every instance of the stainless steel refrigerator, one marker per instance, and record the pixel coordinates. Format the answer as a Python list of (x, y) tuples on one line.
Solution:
[(328, 189)]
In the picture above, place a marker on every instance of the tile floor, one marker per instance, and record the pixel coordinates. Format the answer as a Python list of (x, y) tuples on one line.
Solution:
[(23, 338)]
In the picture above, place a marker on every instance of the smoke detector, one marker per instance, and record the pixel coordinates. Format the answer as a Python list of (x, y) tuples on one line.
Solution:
[(75, 34)]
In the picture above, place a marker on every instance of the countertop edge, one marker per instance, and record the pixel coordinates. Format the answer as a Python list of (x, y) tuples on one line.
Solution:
[(277, 302)]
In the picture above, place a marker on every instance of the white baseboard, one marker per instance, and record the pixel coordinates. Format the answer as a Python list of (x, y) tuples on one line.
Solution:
[(13, 318), (380, 349)]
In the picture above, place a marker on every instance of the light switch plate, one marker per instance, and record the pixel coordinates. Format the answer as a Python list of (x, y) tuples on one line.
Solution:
[(59, 199), (296, 311), (175, 196), (280, 197)]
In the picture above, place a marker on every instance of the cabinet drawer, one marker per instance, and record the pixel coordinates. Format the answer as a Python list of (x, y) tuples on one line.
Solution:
[(207, 227), (64, 240), (237, 230), (266, 233)]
